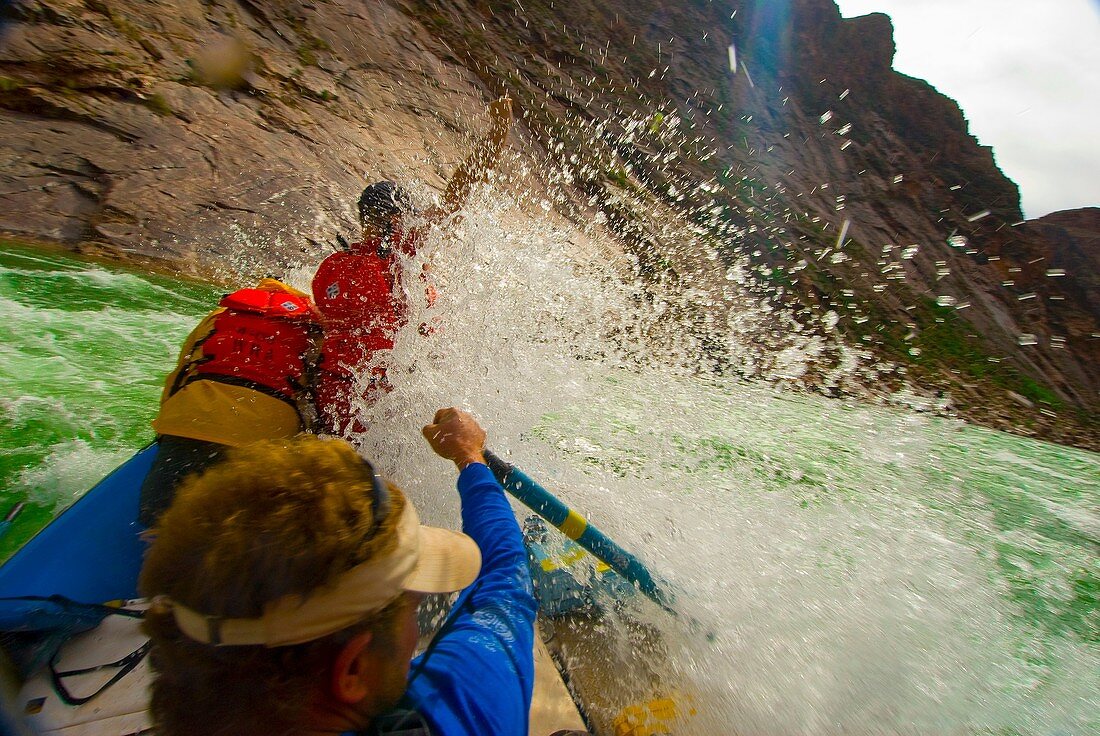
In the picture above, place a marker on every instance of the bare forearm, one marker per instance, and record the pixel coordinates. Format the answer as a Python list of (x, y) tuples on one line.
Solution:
[(482, 160)]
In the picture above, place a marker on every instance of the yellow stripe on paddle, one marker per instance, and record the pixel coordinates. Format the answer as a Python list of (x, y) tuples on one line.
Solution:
[(574, 525)]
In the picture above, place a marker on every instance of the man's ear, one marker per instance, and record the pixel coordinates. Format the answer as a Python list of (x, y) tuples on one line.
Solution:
[(351, 675)]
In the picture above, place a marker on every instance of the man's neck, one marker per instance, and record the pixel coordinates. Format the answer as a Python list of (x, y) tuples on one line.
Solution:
[(332, 722)]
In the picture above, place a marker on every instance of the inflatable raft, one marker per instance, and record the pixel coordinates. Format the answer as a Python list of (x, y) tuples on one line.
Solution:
[(75, 657), (73, 660)]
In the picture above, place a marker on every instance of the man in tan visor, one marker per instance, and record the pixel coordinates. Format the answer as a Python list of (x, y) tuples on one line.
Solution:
[(285, 583)]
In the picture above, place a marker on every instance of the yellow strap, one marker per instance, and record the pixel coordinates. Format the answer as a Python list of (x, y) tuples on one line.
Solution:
[(574, 525)]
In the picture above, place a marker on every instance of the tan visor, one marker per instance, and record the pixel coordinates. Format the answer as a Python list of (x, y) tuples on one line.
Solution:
[(426, 560)]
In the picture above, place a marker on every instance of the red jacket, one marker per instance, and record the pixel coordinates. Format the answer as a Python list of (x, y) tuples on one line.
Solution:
[(362, 300)]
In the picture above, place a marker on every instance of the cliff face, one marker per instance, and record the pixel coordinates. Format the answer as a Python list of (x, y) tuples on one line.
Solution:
[(115, 133), (811, 136), (1072, 247), (233, 135)]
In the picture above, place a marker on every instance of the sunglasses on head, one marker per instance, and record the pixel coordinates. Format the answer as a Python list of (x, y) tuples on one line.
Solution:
[(380, 499)]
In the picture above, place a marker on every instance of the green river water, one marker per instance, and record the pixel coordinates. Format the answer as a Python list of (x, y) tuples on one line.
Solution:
[(866, 570), (84, 352)]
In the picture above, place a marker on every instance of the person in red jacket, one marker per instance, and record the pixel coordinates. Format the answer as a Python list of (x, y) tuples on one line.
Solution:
[(244, 374), (359, 291)]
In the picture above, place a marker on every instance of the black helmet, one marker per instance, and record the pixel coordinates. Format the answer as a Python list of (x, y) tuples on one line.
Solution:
[(380, 201)]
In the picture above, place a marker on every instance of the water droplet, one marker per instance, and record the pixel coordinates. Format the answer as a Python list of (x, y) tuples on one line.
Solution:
[(844, 94), (1025, 297), (898, 179), (826, 117), (958, 241), (1027, 339), (945, 300), (978, 216), (908, 252), (844, 129), (914, 351), (1056, 272)]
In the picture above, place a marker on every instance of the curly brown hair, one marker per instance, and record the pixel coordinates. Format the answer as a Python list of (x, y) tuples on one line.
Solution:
[(273, 518)]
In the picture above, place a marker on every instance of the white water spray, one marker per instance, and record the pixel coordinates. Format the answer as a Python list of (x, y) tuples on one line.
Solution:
[(843, 591)]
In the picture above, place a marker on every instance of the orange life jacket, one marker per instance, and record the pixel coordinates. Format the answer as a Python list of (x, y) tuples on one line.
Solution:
[(260, 340)]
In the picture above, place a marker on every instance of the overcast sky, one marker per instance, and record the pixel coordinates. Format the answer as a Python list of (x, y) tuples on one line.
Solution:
[(1027, 76)]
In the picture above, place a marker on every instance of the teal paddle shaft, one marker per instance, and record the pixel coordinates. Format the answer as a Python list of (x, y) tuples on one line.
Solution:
[(577, 528)]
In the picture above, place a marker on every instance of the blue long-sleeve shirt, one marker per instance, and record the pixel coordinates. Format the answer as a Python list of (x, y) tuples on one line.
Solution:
[(478, 676)]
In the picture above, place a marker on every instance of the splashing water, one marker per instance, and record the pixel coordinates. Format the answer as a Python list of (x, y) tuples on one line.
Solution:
[(859, 569)]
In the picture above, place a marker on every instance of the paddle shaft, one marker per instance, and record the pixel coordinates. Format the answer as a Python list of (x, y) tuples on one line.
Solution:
[(577, 528), (5, 525)]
